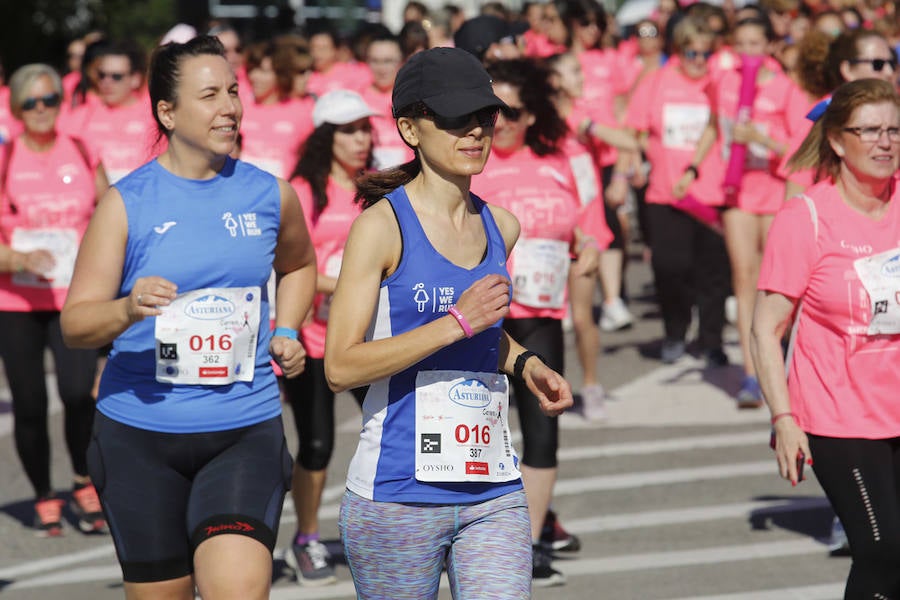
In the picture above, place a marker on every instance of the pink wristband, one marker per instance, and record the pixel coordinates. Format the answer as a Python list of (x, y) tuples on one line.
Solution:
[(467, 329)]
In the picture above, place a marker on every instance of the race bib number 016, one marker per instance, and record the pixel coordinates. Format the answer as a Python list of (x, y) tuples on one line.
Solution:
[(208, 337), (880, 275), (540, 272), (462, 433)]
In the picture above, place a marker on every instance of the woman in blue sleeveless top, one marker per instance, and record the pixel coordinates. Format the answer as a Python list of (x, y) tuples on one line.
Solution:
[(417, 314), (187, 437)]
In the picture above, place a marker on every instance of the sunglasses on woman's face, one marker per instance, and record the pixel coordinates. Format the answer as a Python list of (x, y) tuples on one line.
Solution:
[(49, 101), (878, 64), (695, 54), (101, 75), (485, 117)]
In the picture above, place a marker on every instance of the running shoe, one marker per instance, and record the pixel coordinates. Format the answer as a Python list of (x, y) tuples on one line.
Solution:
[(312, 563), (542, 573), (48, 517), (750, 395), (86, 506), (616, 316), (731, 310), (716, 357), (672, 350), (838, 545), (593, 402), (555, 538)]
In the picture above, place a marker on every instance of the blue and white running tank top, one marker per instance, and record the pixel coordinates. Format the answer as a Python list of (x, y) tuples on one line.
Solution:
[(422, 289), (215, 233)]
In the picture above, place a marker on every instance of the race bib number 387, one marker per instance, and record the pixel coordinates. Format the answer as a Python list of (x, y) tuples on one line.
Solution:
[(208, 337), (461, 428)]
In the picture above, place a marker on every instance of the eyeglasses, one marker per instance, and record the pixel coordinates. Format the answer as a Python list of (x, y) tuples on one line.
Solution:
[(695, 54), (49, 101), (485, 117), (647, 31), (513, 114), (871, 135), (877, 63), (101, 75)]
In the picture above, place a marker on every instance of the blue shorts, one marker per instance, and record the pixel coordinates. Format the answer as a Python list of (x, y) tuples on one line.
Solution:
[(398, 551), (163, 494)]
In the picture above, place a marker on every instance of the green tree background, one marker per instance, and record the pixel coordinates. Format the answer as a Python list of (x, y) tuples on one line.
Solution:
[(40, 30)]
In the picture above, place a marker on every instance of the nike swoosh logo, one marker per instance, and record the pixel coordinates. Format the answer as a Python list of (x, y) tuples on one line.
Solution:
[(165, 227)]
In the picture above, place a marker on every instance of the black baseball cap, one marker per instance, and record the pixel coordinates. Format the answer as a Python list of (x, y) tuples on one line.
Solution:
[(449, 81), (478, 33)]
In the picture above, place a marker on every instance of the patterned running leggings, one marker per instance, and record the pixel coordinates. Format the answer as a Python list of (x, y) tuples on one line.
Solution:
[(397, 551)]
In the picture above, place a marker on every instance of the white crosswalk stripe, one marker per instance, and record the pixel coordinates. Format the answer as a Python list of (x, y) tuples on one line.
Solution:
[(676, 497)]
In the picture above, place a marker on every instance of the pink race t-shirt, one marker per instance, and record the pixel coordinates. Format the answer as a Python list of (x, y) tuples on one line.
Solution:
[(603, 81), (762, 190), (388, 148), (122, 137), (10, 127), (843, 382), (674, 109), (798, 126), (342, 76), (48, 199), (542, 194), (328, 231), (273, 134)]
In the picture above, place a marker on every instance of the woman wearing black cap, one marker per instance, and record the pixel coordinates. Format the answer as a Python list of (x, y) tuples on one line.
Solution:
[(417, 314)]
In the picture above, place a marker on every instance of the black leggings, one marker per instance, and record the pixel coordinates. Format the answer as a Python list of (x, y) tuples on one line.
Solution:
[(690, 266), (25, 336), (312, 403), (540, 433), (862, 480)]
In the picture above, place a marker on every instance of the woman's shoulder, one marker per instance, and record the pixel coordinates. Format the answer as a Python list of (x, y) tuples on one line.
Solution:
[(506, 222)]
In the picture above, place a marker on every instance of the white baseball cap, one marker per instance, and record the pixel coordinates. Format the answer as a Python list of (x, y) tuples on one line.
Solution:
[(340, 107)]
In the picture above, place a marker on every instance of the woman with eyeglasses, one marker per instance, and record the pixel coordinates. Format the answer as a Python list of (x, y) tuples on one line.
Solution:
[(49, 184), (825, 63), (337, 152), (670, 110), (758, 193), (530, 175), (417, 315), (831, 256), (118, 126)]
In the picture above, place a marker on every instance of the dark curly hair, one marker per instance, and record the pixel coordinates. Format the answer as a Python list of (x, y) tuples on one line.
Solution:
[(533, 82), (314, 164)]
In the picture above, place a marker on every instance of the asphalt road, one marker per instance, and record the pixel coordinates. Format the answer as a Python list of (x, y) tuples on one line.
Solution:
[(674, 497)]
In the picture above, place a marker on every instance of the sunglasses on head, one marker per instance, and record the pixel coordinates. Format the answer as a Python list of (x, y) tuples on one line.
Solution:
[(877, 63), (485, 117), (101, 75), (694, 54), (49, 101), (647, 31)]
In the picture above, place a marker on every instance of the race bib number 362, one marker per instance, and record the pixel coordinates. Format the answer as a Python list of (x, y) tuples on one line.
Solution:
[(208, 337)]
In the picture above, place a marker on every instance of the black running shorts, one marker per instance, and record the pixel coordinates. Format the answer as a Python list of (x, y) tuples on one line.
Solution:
[(163, 494)]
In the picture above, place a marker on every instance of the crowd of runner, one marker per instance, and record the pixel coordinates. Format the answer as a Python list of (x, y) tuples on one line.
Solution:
[(674, 131)]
